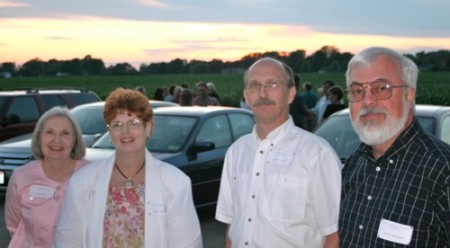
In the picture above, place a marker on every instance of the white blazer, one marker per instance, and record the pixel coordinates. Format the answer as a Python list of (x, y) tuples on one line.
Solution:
[(170, 216)]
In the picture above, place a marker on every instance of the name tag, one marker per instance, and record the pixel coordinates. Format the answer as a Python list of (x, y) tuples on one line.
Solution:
[(278, 158), (395, 232), (2, 177), (38, 191)]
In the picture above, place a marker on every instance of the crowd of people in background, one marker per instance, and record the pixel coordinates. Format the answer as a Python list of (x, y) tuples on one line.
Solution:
[(308, 108), (205, 94)]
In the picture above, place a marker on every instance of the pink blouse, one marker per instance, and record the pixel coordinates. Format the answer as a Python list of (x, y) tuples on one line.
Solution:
[(124, 222), (32, 206)]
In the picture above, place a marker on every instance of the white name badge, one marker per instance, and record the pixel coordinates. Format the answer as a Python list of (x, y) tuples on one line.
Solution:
[(278, 158), (395, 232), (41, 192), (2, 177)]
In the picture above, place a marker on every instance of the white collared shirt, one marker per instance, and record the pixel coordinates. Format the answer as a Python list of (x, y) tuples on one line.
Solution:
[(283, 191)]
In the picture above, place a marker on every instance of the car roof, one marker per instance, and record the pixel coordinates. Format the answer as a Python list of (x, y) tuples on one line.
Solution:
[(154, 103), (198, 111), (30, 91), (421, 109)]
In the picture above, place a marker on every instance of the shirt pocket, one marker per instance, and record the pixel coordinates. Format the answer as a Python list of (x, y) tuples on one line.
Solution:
[(286, 198)]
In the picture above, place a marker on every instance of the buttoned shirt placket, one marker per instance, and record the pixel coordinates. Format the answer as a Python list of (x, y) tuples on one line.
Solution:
[(256, 186)]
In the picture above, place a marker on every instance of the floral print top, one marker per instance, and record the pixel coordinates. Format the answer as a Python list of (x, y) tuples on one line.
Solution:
[(124, 218)]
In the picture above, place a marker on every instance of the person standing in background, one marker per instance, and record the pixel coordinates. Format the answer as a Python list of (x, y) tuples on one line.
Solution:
[(203, 99), (297, 108), (309, 96), (335, 95), (36, 190)]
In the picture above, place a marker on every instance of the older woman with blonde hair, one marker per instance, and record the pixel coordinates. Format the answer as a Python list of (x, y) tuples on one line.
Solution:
[(130, 199), (36, 190)]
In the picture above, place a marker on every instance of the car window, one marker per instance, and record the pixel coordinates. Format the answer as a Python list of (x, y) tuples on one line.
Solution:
[(90, 120), (82, 98), (428, 123), (2, 103), (170, 133), (241, 124), (52, 100), (338, 131), (25, 108), (217, 130), (445, 129)]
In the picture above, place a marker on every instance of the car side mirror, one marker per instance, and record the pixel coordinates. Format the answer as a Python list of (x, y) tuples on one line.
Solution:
[(201, 146), (11, 119)]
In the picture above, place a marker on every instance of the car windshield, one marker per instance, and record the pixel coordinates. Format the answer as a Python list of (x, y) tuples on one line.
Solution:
[(90, 120), (169, 136), (338, 131)]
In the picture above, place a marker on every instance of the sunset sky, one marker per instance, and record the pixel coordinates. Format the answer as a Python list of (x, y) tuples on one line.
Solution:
[(145, 31)]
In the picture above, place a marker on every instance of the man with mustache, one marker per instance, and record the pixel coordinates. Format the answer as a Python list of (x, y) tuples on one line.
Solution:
[(280, 184), (396, 185)]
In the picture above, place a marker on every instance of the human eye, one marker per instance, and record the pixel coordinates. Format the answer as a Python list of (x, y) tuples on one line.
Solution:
[(134, 122), (380, 87), (66, 133), (273, 84), (253, 85), (115, 124), (356, 90)]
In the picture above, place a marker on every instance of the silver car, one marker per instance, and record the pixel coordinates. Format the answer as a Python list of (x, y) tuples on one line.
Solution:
[(338, 130)]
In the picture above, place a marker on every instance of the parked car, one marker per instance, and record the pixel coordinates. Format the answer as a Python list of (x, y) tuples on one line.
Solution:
[(195, 139), (339, 132), (90, 118), (21, 108)]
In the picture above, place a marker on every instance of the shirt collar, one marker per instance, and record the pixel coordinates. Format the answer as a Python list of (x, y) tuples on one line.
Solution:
[(275, 135)]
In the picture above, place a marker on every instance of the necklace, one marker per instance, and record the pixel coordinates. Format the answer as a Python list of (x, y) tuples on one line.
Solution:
[(129, 180)]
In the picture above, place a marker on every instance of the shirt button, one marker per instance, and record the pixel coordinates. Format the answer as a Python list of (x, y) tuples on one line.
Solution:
[(391, 161), (378, 169), (253, 196), (261, 151), (249, 219), (361, 227), (369, 197), (246, 243), (257, 174)]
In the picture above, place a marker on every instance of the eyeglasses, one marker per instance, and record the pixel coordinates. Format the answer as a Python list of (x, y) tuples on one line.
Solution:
[(254, 86), (381, 89), (117, 126)]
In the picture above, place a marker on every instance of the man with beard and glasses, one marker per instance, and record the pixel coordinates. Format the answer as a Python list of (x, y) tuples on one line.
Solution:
[(396, 185), (280, 184)]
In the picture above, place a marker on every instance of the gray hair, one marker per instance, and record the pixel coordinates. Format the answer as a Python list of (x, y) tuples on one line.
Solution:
[(78, 150), (288, 73), (409, 71)]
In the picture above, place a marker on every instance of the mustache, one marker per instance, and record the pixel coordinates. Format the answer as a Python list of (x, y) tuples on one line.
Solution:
[(263, 101), (376, 110)]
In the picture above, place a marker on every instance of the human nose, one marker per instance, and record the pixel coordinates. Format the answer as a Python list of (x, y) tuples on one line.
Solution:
[(368, 97), (262, 90)]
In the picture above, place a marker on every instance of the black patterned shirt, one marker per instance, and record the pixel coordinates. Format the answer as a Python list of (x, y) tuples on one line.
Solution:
[(409, 185)]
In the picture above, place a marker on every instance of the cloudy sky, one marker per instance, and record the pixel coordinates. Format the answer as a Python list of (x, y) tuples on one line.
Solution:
[(144, 31)]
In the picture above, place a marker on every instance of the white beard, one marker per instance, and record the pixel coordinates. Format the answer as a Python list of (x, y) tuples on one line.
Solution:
[(373, 133)]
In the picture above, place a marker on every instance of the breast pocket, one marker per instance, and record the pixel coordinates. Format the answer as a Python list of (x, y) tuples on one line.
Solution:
[(287, 198)]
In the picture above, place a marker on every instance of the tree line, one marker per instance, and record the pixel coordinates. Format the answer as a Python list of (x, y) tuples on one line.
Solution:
[(326, 59)]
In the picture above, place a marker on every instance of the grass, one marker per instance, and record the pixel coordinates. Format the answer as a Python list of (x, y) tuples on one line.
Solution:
[(432, 88)]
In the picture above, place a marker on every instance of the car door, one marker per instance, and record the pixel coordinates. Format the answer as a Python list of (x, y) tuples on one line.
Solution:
[(20, 117), (205, 168)]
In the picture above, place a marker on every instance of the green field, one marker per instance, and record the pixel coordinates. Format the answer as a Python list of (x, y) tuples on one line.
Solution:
[(433, 87)]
